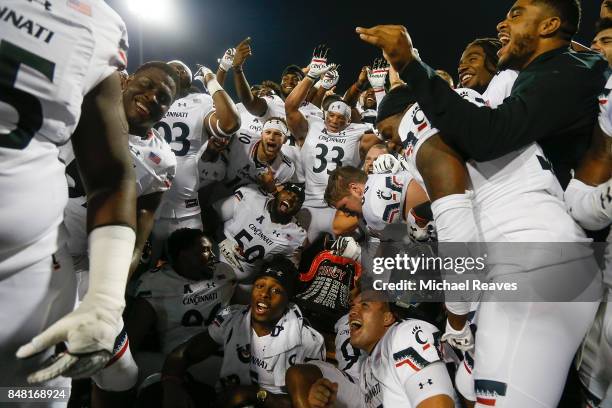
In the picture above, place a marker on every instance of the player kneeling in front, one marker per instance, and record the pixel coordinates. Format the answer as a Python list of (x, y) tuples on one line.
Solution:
[(402, 367), (261, 341)]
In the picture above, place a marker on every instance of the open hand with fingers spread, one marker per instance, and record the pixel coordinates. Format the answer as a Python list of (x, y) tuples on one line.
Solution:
[(331, 78), (318, 64), (393, 40), (378, 74)]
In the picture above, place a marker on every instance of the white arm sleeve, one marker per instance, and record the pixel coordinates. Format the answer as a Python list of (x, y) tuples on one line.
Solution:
[(589, 206), (430, 381)]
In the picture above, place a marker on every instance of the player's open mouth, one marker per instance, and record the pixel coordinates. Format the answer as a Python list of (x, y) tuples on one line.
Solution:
[(355, 325), (504, 37), (271, 147), (284, 205), (465, 78), (370, 99), (261, 307), (142, 109)]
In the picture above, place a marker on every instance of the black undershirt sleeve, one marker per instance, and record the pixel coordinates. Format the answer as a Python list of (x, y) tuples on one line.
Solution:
[(541, 105)]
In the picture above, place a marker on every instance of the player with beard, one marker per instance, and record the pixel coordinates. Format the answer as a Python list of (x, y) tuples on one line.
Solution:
[(326, 144), (48, 99), (258, 159), (257, 227), (187, 125), (401, 366), (554, 83), (261, 341)]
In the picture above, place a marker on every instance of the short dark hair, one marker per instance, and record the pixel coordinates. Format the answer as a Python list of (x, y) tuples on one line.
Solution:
[(338, 183), (490, 46), (181, 239), (272, 85), (570, 13), (172, 73), (295, 70), (603, 24)]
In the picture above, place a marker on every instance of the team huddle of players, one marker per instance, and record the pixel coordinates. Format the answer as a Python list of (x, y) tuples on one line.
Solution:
[(205, 213)]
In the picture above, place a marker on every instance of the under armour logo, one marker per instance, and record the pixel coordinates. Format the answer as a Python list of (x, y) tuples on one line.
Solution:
[(187, 289), (46, 4), (182, 104), (276, 233), (260, 219), (429, 382)]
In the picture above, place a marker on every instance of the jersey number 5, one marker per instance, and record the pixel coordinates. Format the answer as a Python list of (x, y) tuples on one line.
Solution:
[(28, 107)]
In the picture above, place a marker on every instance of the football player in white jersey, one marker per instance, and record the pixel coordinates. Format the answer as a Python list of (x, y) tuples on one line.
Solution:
[(526, 175), (380, 199), (258, 226), (326, 144), (61, 80), (147, 97), (189, 122), (589, 200), (259, 159), (401, 368), (175, 301), (261, 340)]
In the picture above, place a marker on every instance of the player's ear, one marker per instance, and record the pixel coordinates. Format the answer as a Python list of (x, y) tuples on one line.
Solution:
[(388, 318), (550, 26)]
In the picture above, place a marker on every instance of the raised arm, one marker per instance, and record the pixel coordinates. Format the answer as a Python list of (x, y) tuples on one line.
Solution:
[(225, 63), (225, 120), (254, 104), (298, 125), (483, 133)]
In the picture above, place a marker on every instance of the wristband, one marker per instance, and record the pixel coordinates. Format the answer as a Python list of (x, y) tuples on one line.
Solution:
[(237, 69), (213, 86)]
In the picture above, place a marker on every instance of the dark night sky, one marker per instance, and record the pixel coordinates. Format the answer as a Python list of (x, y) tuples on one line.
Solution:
[(285, 32)]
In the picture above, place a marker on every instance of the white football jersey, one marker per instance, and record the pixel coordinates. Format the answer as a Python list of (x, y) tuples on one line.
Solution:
[(53, 55), (184, 307), (383, 199), (256, 237), (276, 108), (348, 357), (243, 167), (503, 187), (250, 359), (403, 370), (183, 128), (154, 165), (324, 151), (249, 122), (499, 88)]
